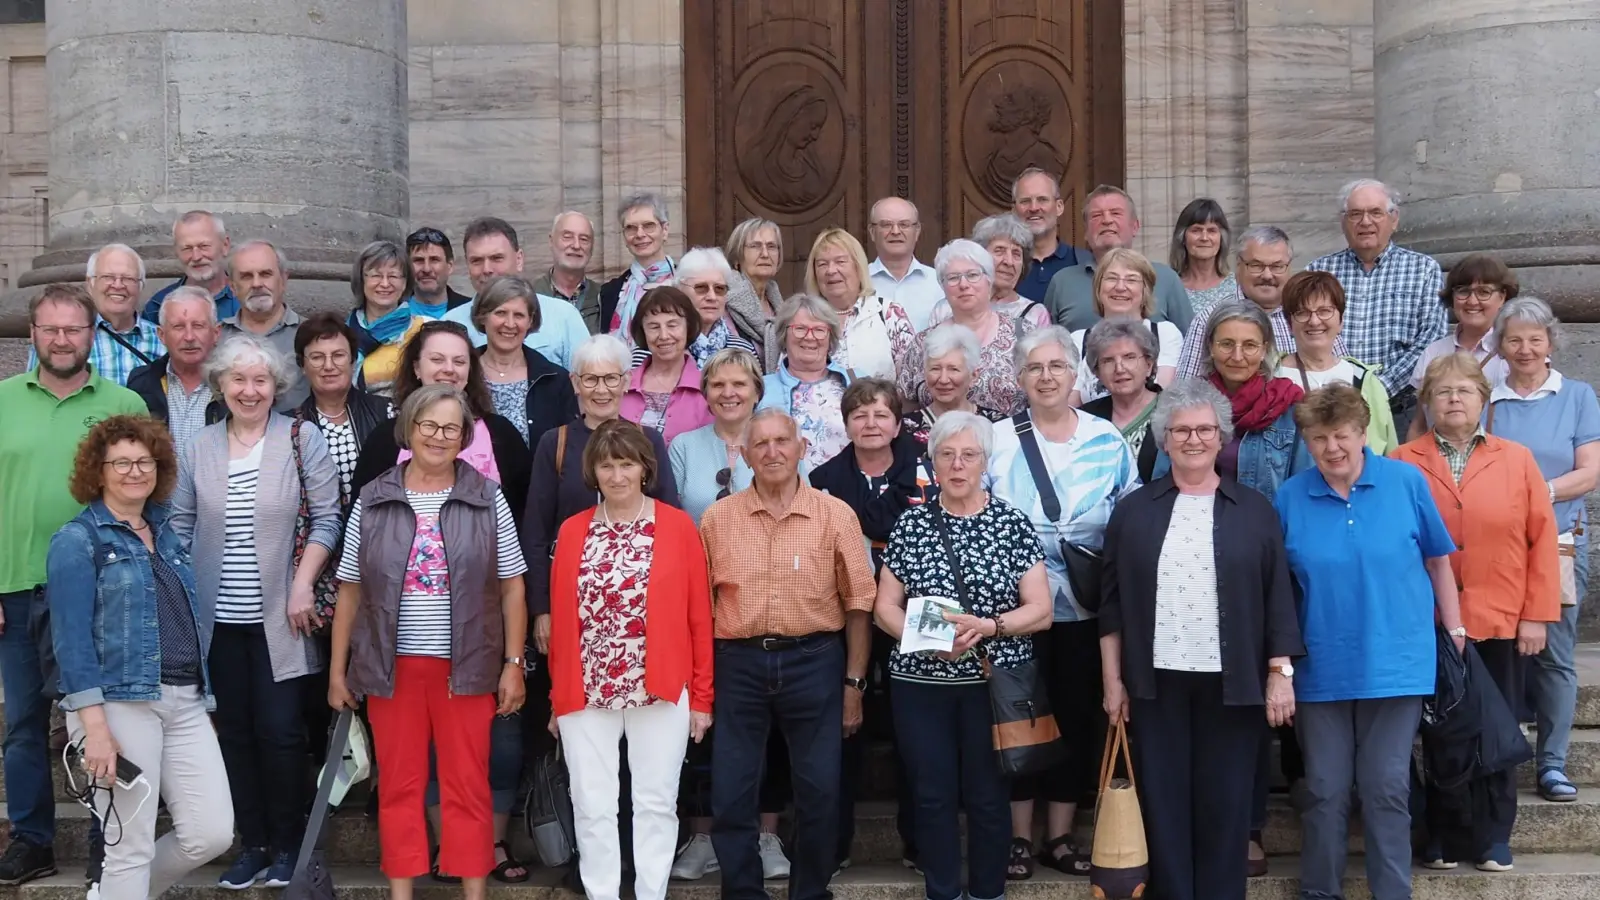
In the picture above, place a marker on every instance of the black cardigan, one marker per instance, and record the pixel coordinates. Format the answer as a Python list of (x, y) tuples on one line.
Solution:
[(1257, 618), (368, 412), (1101, 408), (149, 382), (551, 400), (841, 477), (382, 452)]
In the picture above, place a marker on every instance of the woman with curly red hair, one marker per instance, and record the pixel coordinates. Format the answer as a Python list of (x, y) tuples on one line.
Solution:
[(133, 663)]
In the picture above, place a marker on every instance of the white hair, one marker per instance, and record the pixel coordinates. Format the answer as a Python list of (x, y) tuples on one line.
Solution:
[(94, 259), (1534, 311), (703, 261), (283, 261), (555, 224), (1363, 183), (948, 337), (600, 348), (1039, 337), (764, 413), (965, 250), (1265, 236), (244, 350), (955, 422), (195, 215), (188, 293), (647, 200), (1192, 393)]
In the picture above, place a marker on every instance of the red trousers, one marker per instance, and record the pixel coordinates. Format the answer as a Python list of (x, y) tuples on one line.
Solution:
[(423, 712)]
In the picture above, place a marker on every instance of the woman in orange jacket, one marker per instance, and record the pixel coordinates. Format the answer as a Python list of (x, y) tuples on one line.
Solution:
[(1500, 514), (630, 655)]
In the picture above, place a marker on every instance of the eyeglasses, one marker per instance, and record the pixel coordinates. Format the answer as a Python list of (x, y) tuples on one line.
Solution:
[(816, 332), (381, 277), (952, 279), (1321, 313), (424, 236), (895, 226), (1256, 268), (430, 428), (1184, 432), (144, 464), (118, 279), (724, 482), (1483, 292), (54, 331), (967, 458), (1360, 215), (1453, 393), (641, 228), (707, 287), (759, 246), (1248, 348), (592, 381), (1132, 281), (1056, 368)]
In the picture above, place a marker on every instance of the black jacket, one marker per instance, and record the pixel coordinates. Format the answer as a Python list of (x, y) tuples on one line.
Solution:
[(1257, 619), (381, 452), (1147, 450), (551, 400), (610, 294), (368, 412), (841, 477), (454, 298), (150, 383)]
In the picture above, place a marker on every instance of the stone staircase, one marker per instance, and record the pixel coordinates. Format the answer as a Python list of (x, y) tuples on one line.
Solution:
[(1557, 846)]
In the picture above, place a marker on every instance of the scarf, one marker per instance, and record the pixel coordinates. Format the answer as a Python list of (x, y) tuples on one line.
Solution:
[(1259, 402), (387, 330), (639, 278)]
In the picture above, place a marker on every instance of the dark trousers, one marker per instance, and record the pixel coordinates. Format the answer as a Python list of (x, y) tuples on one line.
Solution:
[(694, 791), (1494, 796), (1195, 759), (1069, 662), (877, 706), (945, 732), (801, 690), (1290, 761), (30, 796), (261, 729)]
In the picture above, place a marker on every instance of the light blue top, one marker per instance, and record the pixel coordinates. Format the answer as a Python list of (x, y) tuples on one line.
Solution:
[(697, 456), (1553, 422), (1090, 473), (1366, 601), (561, 329)]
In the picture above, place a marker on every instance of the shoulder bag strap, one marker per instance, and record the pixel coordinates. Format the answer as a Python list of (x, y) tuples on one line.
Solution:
[(319, 810), (1036, 467), (140, 354), (950, 554), (561, 450), (1489, 425)]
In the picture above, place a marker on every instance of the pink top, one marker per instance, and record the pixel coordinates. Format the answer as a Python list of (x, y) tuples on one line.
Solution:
[(686, 411), (479, 454)]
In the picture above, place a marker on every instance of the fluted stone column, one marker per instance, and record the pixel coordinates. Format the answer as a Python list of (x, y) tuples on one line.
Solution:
[(1488, 121), (285, 117)]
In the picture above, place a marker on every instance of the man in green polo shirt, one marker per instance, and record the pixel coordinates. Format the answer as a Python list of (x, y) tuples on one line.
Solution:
[(44, 413)]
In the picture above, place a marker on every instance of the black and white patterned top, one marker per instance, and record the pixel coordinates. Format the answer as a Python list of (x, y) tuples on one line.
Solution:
[(180, 642), (239, 589), (996, 546), (1187, 637), (342, 447), (510, 399)]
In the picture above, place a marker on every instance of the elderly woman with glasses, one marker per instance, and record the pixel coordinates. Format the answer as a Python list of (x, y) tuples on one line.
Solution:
[(1314, 302), (528, 390), (1559, 420), (967, 272), (1009, 241), (1474, 290), (1065, 471), (1197, 636), (325, 350), (663, 393), (984, 553), (704, 274), (950, 360), (383, 319), (1125, 288), (1122, 355), (241, 485), (874, 333), (755, 253), (1370, 556), (807, 384)]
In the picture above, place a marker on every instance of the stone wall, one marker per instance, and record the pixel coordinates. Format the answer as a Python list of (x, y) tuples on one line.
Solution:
[(24, 150)]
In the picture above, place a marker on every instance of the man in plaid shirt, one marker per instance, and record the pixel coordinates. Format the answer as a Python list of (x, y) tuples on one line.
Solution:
[(122, 341), (1392, 294)]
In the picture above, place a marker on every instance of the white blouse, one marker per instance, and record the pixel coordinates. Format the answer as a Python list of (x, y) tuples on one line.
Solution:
[(1187, 637)]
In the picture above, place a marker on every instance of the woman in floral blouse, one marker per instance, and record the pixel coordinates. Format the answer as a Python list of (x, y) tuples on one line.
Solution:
[(966, 271), (941, 708), (630, 655)]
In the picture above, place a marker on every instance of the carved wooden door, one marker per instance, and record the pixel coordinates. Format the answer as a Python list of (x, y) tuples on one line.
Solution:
[(806, 111)]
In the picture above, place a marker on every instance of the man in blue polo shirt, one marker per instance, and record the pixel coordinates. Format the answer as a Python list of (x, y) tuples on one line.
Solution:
[(201, 245), (1036, 199)]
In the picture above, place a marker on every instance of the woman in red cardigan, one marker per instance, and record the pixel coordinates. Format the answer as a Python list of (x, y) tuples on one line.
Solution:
[(630, 654)]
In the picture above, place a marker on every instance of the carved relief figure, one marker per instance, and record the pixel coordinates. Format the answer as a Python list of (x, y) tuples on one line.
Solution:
[(1020, 117), (780, 164)]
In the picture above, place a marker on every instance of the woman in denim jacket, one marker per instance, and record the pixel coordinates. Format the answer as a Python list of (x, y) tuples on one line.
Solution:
[(134, 681)]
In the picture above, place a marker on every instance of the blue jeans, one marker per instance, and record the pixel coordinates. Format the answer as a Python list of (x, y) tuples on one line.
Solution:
[(801, 690), (30, 800), (945, 733), (1555, 678)]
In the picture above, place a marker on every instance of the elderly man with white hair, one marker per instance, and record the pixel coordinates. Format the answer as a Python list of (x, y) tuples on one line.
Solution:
[(174, 385), (1391, 293), (122, 341), (704, 274), (966, 271), (571, 246), (200, 242)]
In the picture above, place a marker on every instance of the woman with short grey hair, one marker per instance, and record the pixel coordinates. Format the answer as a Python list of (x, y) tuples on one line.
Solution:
[(1010, 243), (383, 320), (807, 384), (966, 270), (950, 360), (1122, 354), (704, 274), (241, 483), (755, 251), (1197, 641), (1559, 420)]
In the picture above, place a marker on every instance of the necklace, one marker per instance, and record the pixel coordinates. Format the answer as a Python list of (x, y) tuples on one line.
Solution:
[(502, 371), (605, 510), (333, 416)]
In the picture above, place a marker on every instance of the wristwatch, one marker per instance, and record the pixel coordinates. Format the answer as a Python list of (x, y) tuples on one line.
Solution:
[(859, 684), (513, 660), (1286, 670), (1460, 631)]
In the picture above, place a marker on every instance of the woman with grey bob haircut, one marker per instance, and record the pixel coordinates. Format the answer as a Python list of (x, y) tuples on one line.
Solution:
[(950, 364), (755, 251), (1193, 393), (957, 422), (817, 308), (243, 350), (1240, 312), (1033, 340), (1121, 354), (1010, 244), (963, 249)]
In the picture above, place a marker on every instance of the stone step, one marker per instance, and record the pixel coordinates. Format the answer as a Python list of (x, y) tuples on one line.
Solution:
[(1557, 876), (352, 839)]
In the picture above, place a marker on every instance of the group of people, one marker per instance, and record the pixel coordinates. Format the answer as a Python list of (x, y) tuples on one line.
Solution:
[(1214, 500)]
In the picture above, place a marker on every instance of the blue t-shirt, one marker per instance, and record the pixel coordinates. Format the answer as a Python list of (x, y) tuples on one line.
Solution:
[(1553, 426), (1366, 601)]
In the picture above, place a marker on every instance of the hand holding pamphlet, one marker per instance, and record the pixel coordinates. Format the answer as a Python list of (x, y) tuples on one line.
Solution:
[(926, 627)]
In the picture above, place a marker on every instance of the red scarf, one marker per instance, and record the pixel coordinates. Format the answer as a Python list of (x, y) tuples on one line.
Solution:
[(1259, 402)]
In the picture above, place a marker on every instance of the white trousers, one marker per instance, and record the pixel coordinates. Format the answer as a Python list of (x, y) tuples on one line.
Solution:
[(657, 737), (172, 741)]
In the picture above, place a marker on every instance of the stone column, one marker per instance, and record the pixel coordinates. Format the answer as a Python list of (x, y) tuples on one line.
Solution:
[(1488, 122), (285, 117)]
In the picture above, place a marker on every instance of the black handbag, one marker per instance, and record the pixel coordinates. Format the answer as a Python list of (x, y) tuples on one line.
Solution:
[(1085, 564), (547, 812), (1027, 739), (311, 879)]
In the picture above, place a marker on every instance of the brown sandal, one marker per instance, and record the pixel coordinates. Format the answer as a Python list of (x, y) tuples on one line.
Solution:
[(1020, 868), (1072, 862)]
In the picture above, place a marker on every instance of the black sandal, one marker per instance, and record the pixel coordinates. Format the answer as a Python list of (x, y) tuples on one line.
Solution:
[(1020, 867), (510, 862), (1072, 862), (436, 875)]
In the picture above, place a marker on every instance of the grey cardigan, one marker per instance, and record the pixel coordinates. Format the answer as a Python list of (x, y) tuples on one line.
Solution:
[(199, 513)]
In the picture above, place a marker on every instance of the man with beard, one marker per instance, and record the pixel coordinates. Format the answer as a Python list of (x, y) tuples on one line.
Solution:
[(493, 250), (1110, 221), (259, 273), (571, 245), (174, 387), (1036, 199), (433, 261), (47, 411), (201, 244)]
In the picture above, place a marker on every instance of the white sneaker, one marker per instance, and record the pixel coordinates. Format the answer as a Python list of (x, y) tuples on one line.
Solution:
[(697, 860), (774, 864)]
